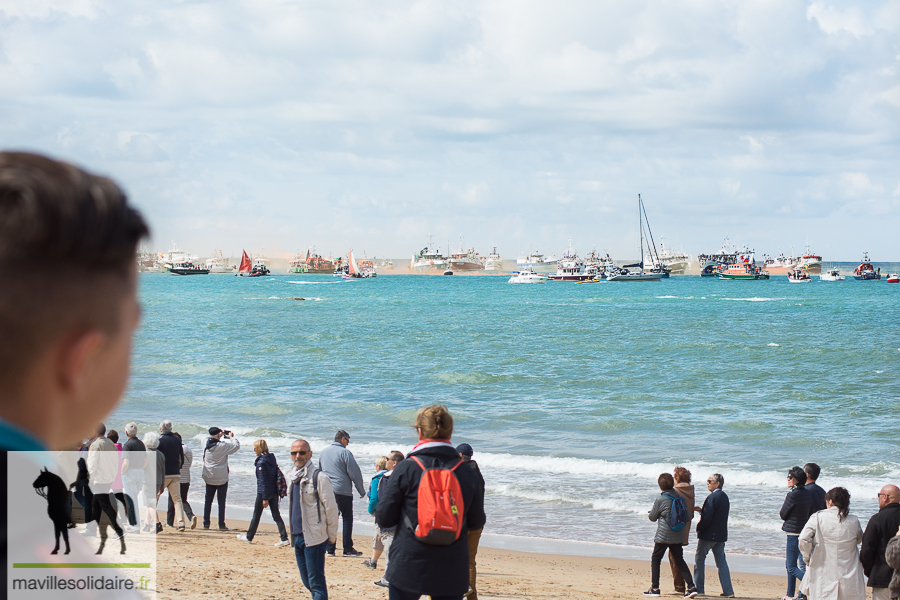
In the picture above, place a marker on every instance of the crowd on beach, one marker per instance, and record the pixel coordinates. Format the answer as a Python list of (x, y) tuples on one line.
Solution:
[(427, 533), (827, 551), (823, 550)]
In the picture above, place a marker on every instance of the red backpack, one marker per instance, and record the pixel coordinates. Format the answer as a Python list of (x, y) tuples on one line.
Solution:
[(441, 506)]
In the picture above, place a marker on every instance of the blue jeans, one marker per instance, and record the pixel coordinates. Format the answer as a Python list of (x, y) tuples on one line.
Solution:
[(794, 563), (718, 550), (398, 594), (311, 562)]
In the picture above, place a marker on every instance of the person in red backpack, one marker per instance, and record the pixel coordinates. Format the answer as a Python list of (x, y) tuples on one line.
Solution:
[(431, 557)]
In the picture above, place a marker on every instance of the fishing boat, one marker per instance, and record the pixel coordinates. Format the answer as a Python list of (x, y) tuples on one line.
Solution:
[(187, 268), (493, 262), (219, 264), (675, 262), (428, 260), (865, 271), (811, 263), (831, 275), (636, 272), (313, 263), (710, 263), (893, 278), (799, 275), (781, 265), (538, 262), (528, 276), (366, 267), (742, 270), (465, 260)]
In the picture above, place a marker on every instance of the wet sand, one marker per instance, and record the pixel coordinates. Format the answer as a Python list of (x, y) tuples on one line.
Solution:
[(214, 564)]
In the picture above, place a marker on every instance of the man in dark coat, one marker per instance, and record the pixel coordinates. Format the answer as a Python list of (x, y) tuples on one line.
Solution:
[(812, 471), (712, 533), (170, 447), (881, 528), (795, 512), (416, 567)]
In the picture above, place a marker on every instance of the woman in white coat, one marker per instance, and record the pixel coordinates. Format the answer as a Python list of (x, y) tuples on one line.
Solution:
[(829, 544)]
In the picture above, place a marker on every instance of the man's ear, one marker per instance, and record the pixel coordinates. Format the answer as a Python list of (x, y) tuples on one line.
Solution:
[(75, 361)]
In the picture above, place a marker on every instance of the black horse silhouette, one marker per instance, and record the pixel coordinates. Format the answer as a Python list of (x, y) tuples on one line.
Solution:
[(59, 505)]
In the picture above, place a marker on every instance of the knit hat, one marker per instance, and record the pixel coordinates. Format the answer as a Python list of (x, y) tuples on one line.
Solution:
[(214, 431)]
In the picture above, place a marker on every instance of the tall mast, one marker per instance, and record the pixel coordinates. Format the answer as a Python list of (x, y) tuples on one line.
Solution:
[(641, 225)]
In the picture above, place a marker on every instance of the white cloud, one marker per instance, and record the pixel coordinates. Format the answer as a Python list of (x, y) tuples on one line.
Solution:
[(832, 20), (264, 112)]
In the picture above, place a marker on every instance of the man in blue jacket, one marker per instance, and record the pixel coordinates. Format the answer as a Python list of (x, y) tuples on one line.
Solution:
[(338, 463), (712, 533)]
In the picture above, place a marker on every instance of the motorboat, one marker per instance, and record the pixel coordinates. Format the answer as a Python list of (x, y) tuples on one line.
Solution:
[(219, 264), (865, 271), (743, 270), (626, 275), (187, 268), (832, 275), (799, 276), (893, 278), (528, 276), (448, 272)]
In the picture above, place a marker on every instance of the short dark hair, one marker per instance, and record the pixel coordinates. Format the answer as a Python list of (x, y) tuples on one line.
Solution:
[(798, 474), (666, 481), (396, 456), (113, 435), (68, 242), (101, 430), (340, 435), (812, 471)]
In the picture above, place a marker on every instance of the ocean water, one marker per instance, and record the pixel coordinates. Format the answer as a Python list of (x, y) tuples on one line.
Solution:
[(575, 397)]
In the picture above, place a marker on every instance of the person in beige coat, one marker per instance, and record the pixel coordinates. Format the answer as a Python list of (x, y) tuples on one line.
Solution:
[(829, 544), (684, 489)]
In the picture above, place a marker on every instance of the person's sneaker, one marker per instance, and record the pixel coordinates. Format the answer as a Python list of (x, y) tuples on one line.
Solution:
[(801, 596), (282, 543), (243, 537), (726, 595), (370, 564), (352, 553), (206, 527), (690, 593), (159, 528), (180, 528), (223, 529), (381, 583), (652, 592), (331, 554), (194, 520), (787, 598)]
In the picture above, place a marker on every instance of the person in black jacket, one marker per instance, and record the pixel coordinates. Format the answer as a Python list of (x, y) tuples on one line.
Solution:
[(170, 447), (817, 492), (879, 531), (465, 453), (416, 567), (712, 533), (795, 512), (266, 494)]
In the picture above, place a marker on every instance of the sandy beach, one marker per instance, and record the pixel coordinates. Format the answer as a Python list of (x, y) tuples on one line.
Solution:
[(214, 564)]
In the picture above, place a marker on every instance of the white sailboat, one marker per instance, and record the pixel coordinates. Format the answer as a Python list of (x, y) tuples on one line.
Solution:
[(625, 274)]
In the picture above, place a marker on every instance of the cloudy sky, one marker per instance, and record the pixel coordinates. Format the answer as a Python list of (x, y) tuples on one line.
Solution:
[(284, 124)]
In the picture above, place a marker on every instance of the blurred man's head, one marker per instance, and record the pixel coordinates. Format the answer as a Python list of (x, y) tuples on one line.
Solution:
[(68, 241)]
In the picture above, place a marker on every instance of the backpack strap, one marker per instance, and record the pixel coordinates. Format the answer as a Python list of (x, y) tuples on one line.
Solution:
[(315, 479)]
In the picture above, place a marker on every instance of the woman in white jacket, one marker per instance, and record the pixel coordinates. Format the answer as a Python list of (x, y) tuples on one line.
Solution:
[(829, 544)]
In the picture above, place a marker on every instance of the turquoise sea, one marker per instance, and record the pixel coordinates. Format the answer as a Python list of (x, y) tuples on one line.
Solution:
[(575, 397)]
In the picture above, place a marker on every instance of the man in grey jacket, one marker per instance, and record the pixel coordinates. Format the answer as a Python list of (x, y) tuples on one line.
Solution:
[(312, 518), (338, 463), (219, 446)]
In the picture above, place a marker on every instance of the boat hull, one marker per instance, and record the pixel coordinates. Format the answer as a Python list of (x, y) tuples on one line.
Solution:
[(581, 277), (176, 271), (465, 265), (868, 277), (744, 277), (636, 277)]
